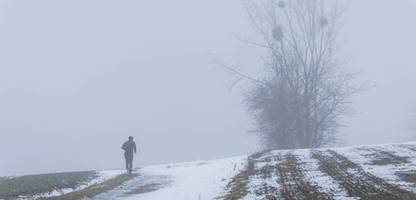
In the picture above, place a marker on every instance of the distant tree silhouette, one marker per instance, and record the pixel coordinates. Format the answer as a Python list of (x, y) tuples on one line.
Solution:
[(306, 88)]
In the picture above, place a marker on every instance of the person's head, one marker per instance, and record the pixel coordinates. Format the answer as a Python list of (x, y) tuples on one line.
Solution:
[(130, 138)]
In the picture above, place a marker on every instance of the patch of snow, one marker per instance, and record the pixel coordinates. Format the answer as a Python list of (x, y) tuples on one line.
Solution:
[(201, 180), (145, 183)]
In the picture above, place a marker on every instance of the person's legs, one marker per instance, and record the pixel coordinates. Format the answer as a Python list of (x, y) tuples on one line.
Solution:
[(130, 164), (126, 158)]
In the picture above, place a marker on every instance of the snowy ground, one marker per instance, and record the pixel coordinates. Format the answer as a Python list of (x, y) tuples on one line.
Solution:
[(378, 172), (182, 181)]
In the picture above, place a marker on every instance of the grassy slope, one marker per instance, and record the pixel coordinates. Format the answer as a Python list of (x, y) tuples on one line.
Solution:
[(289, 171), (44, 183), (31, 185), (237, 188), (95, 189)]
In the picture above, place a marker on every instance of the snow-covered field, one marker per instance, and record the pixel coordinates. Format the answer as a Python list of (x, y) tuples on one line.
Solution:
[(378, 172)]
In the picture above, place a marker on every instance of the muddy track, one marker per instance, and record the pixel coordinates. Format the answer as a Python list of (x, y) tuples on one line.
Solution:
[(408, 146), (356, 181), (383, 157), (293, 181), (285, 170)]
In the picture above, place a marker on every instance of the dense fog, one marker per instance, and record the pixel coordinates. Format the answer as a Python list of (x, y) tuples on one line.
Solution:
[(78, 77)]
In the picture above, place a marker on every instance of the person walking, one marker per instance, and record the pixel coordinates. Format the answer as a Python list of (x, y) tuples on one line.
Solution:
[(129, 148)]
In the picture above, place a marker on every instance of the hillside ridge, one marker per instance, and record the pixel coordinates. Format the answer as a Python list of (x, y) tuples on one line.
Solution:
[(379, 172)]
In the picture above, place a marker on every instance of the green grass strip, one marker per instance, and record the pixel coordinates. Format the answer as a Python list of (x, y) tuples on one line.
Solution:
[(95, 189), (44, 183)]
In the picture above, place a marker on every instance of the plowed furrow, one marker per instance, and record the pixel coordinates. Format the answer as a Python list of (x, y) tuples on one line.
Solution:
[(383, 157), (294, 185), (408, 146), (356, 181)]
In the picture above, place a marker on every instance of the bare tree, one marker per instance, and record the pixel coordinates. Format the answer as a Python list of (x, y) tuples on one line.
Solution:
[(305, 91)]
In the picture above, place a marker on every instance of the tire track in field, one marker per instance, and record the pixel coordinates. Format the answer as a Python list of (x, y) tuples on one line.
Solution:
[(279, 175), (356, 181), (380, 156), (410, 147), (292, 179), (284, 168)]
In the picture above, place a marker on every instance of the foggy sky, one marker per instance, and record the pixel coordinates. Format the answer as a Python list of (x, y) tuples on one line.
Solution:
[(78, 77)]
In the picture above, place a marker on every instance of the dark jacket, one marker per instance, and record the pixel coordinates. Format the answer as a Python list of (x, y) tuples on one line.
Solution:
[(129, 147)]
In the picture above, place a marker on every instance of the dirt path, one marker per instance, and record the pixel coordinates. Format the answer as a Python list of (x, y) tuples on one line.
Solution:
[(356, 181), (139, 185)]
